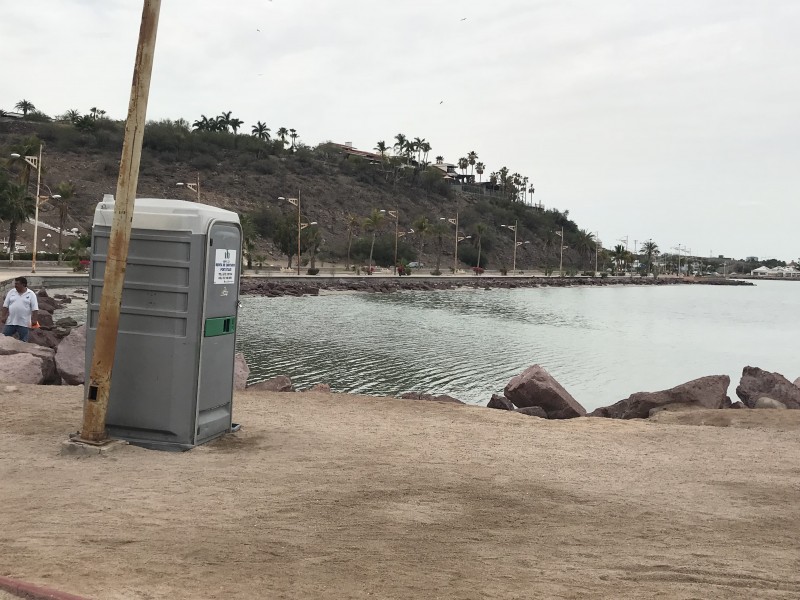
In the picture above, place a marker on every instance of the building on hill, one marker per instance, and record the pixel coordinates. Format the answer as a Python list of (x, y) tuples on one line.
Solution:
[(451, 175), (349, 150)]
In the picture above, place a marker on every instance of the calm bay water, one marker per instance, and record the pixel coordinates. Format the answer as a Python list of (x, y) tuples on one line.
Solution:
[(601, 344)]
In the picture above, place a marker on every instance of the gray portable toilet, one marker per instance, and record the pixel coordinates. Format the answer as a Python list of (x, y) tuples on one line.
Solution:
[(172, 381)]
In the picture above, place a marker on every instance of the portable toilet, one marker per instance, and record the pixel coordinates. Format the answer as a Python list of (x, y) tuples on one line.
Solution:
[(172, 380)]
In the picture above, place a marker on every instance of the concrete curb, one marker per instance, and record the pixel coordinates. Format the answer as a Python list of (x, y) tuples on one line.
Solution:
[(34, 592)]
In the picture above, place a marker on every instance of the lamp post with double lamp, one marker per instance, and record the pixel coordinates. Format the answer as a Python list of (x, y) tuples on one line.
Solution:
[(458, 239), (300, 225), (36, 163), (396, 215), (560, 235), (597, 244), (514, 259), (195, 187)]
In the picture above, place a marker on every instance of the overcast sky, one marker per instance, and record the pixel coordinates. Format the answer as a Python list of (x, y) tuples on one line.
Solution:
[(675, 120)]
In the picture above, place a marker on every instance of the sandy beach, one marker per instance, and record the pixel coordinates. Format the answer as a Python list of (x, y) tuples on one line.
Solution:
[(341, 496)]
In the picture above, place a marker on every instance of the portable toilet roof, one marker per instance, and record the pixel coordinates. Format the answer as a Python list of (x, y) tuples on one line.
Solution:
[(166, 215)]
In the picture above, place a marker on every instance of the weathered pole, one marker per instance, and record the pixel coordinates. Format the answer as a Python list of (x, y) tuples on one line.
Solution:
[(95, 404)]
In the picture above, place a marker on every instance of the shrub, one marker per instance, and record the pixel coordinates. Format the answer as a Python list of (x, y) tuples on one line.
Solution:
[(313, 271)]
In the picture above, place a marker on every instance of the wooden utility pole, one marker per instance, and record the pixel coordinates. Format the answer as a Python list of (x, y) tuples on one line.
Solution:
[(95, 404)]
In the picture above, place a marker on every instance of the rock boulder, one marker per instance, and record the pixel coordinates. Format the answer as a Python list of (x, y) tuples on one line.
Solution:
[(767, 402), (240, 372), (532, 411), (26, 363), (500, 402), (756, 383), (71, 357), (706, 392), (429, 397), (281, 383), (536, 387)]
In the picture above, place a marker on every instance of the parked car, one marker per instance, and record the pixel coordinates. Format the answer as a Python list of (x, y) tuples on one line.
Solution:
[(416, 265)]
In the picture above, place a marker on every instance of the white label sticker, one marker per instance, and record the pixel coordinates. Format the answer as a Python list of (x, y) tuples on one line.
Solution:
[(225, 267)]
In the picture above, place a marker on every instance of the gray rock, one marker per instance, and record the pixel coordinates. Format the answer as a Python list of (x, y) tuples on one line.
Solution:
[(767, 402), (756, 383), (281, 383), (797, 382), (737, 404), (66, 322), (320, 387), (15, 368), (44, 337), (536, 387), (429, 397), (500, 402), (705, 392), (532, 411), (240, 371), (71, 357)]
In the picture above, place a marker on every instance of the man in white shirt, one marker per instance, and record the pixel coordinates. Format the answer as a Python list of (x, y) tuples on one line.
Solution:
[(20, 310)]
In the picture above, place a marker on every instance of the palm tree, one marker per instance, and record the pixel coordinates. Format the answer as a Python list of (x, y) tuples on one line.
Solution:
[(16, 206), (479, 169), (202, 124), (620, 256), (418, 142), (65, 189), (422, 227), (650, 250), (439, 229), (439, 159), (25, 107), (480, 229), (94, 112), (224, 120), (353, 223), (409, 150), (530, 191), (282, 133), (425, 147), (585, 243), (373, 223), (463, 163), (293, 135), (86, 124), (260, 131), (400, 144), (313, 240), (249, 233), (72, 115), (472, 157), (382, 148), (235, 124)]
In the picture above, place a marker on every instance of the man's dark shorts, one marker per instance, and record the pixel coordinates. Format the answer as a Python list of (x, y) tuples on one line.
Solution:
[(10, 330)]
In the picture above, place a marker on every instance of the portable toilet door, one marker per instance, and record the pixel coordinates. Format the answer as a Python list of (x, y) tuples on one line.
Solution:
[(218, 343)]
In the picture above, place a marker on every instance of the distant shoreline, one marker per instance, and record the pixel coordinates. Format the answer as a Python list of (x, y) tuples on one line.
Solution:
[(312, 286)]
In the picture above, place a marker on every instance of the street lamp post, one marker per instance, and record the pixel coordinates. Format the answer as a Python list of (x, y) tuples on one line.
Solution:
[(596, 250), (514, 259), (300, 227), (36, 163), (560, 234), (195, 187)]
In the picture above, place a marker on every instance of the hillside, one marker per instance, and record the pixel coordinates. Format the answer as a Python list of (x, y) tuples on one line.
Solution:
[(247, 175)]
